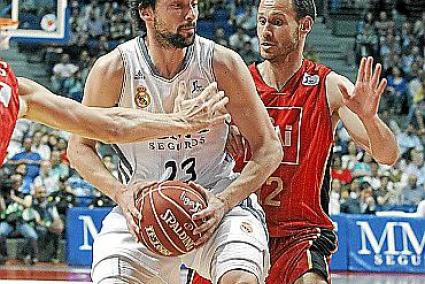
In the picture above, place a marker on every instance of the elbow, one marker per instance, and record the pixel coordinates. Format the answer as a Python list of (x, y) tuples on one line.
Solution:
[(274, 153), (391, 158), (278, 156), (72, 151)]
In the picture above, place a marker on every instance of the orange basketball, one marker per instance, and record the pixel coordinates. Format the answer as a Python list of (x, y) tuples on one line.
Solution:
[(166, 227)]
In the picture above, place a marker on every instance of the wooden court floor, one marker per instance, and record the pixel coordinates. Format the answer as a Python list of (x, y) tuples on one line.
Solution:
[(16, 273)]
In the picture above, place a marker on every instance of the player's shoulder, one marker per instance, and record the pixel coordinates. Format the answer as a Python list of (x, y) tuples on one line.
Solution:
[(334, 79), (110, 64), (226, 58), (333, 93)]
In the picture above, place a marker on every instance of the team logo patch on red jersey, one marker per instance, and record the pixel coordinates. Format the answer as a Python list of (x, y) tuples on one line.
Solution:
[(310, 80)]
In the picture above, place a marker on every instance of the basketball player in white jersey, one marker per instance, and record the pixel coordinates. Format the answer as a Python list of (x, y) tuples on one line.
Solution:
[(139, 74)]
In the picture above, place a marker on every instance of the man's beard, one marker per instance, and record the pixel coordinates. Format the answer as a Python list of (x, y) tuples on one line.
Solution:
[(173, 40)]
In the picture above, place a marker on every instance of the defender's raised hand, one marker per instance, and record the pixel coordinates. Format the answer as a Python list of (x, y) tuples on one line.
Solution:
[(206, 109), (364, 100)]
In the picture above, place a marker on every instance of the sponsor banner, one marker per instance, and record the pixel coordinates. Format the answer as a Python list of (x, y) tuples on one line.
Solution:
[(82, 225), (340, 258), (366, 243), (386, 244)]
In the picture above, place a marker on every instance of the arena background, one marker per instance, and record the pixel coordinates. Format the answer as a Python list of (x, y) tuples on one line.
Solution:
[(378, 211)]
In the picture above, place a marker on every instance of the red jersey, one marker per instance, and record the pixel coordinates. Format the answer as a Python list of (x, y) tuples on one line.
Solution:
[(9, 106), (296, 196)]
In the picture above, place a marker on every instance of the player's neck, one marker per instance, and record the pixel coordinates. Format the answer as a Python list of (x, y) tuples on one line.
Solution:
[(167, 60), (277, 73)]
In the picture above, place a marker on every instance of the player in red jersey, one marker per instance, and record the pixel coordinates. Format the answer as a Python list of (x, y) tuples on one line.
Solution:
[(25, 98), (306, 101)]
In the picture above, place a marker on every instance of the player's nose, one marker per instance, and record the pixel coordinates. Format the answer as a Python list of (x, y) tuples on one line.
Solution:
[(191, 14)]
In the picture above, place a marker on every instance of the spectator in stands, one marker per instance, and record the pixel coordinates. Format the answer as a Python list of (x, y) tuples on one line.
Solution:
[(47, 178), (237, 40), (49, 224), (383, 24), (38, 147), (366, 43), (59, 168), (248, 20), (368, 19), (412, 193), (367, 202), (220, 37), (350, 159), (386, 194), (374, 179), (95, 26), (416, 167), (15, 207), (348, 203), (81, 189), (339, 173), (31, 160), (334, 206), (362, 167), (73, 87), (408, 139), (399, 90), (65, 68), (248, 54)]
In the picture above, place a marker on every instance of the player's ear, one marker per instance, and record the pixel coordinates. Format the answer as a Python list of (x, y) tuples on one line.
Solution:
[(306, 24), (146, 14)]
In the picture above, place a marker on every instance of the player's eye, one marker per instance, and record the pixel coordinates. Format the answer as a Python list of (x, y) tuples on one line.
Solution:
[(262, 21), (278, 22), (177, 6)]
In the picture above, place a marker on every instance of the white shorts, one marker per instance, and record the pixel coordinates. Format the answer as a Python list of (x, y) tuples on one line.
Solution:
[(240, 243)]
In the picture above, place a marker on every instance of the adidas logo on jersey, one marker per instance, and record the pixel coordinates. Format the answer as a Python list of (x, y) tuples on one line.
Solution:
[(139, 75), (310, 80)]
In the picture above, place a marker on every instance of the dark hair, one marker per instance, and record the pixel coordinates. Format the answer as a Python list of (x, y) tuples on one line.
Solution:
[(145, 3), (138, 24), (305, 8)]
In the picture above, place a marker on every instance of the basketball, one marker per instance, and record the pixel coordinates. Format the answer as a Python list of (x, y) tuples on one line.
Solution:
[(166, 226)]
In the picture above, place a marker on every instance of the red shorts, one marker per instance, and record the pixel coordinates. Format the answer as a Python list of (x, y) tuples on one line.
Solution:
[(307, 251), (294, 256)]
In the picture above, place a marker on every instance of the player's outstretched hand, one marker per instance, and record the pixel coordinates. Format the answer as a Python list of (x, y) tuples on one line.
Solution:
[(364, 101), (212, 215), (126, 199), (235, 144), (206, 109)]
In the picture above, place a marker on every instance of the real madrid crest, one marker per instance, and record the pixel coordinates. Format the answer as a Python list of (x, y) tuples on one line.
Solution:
[(142, 97), (246, 227)]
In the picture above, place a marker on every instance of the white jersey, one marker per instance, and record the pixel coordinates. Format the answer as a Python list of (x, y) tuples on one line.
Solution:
[(199, 157)]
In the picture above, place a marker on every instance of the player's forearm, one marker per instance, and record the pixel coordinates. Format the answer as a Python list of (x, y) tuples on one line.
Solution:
[(88, 164), (382, 143), (263, 163), (131, 125), (108, 125)]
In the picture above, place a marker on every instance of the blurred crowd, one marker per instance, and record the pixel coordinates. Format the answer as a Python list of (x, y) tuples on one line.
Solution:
[(360, 185), (38, 186), (99, 26)]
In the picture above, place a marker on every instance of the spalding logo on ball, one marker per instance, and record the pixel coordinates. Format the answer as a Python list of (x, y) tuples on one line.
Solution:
[(166, 226)]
